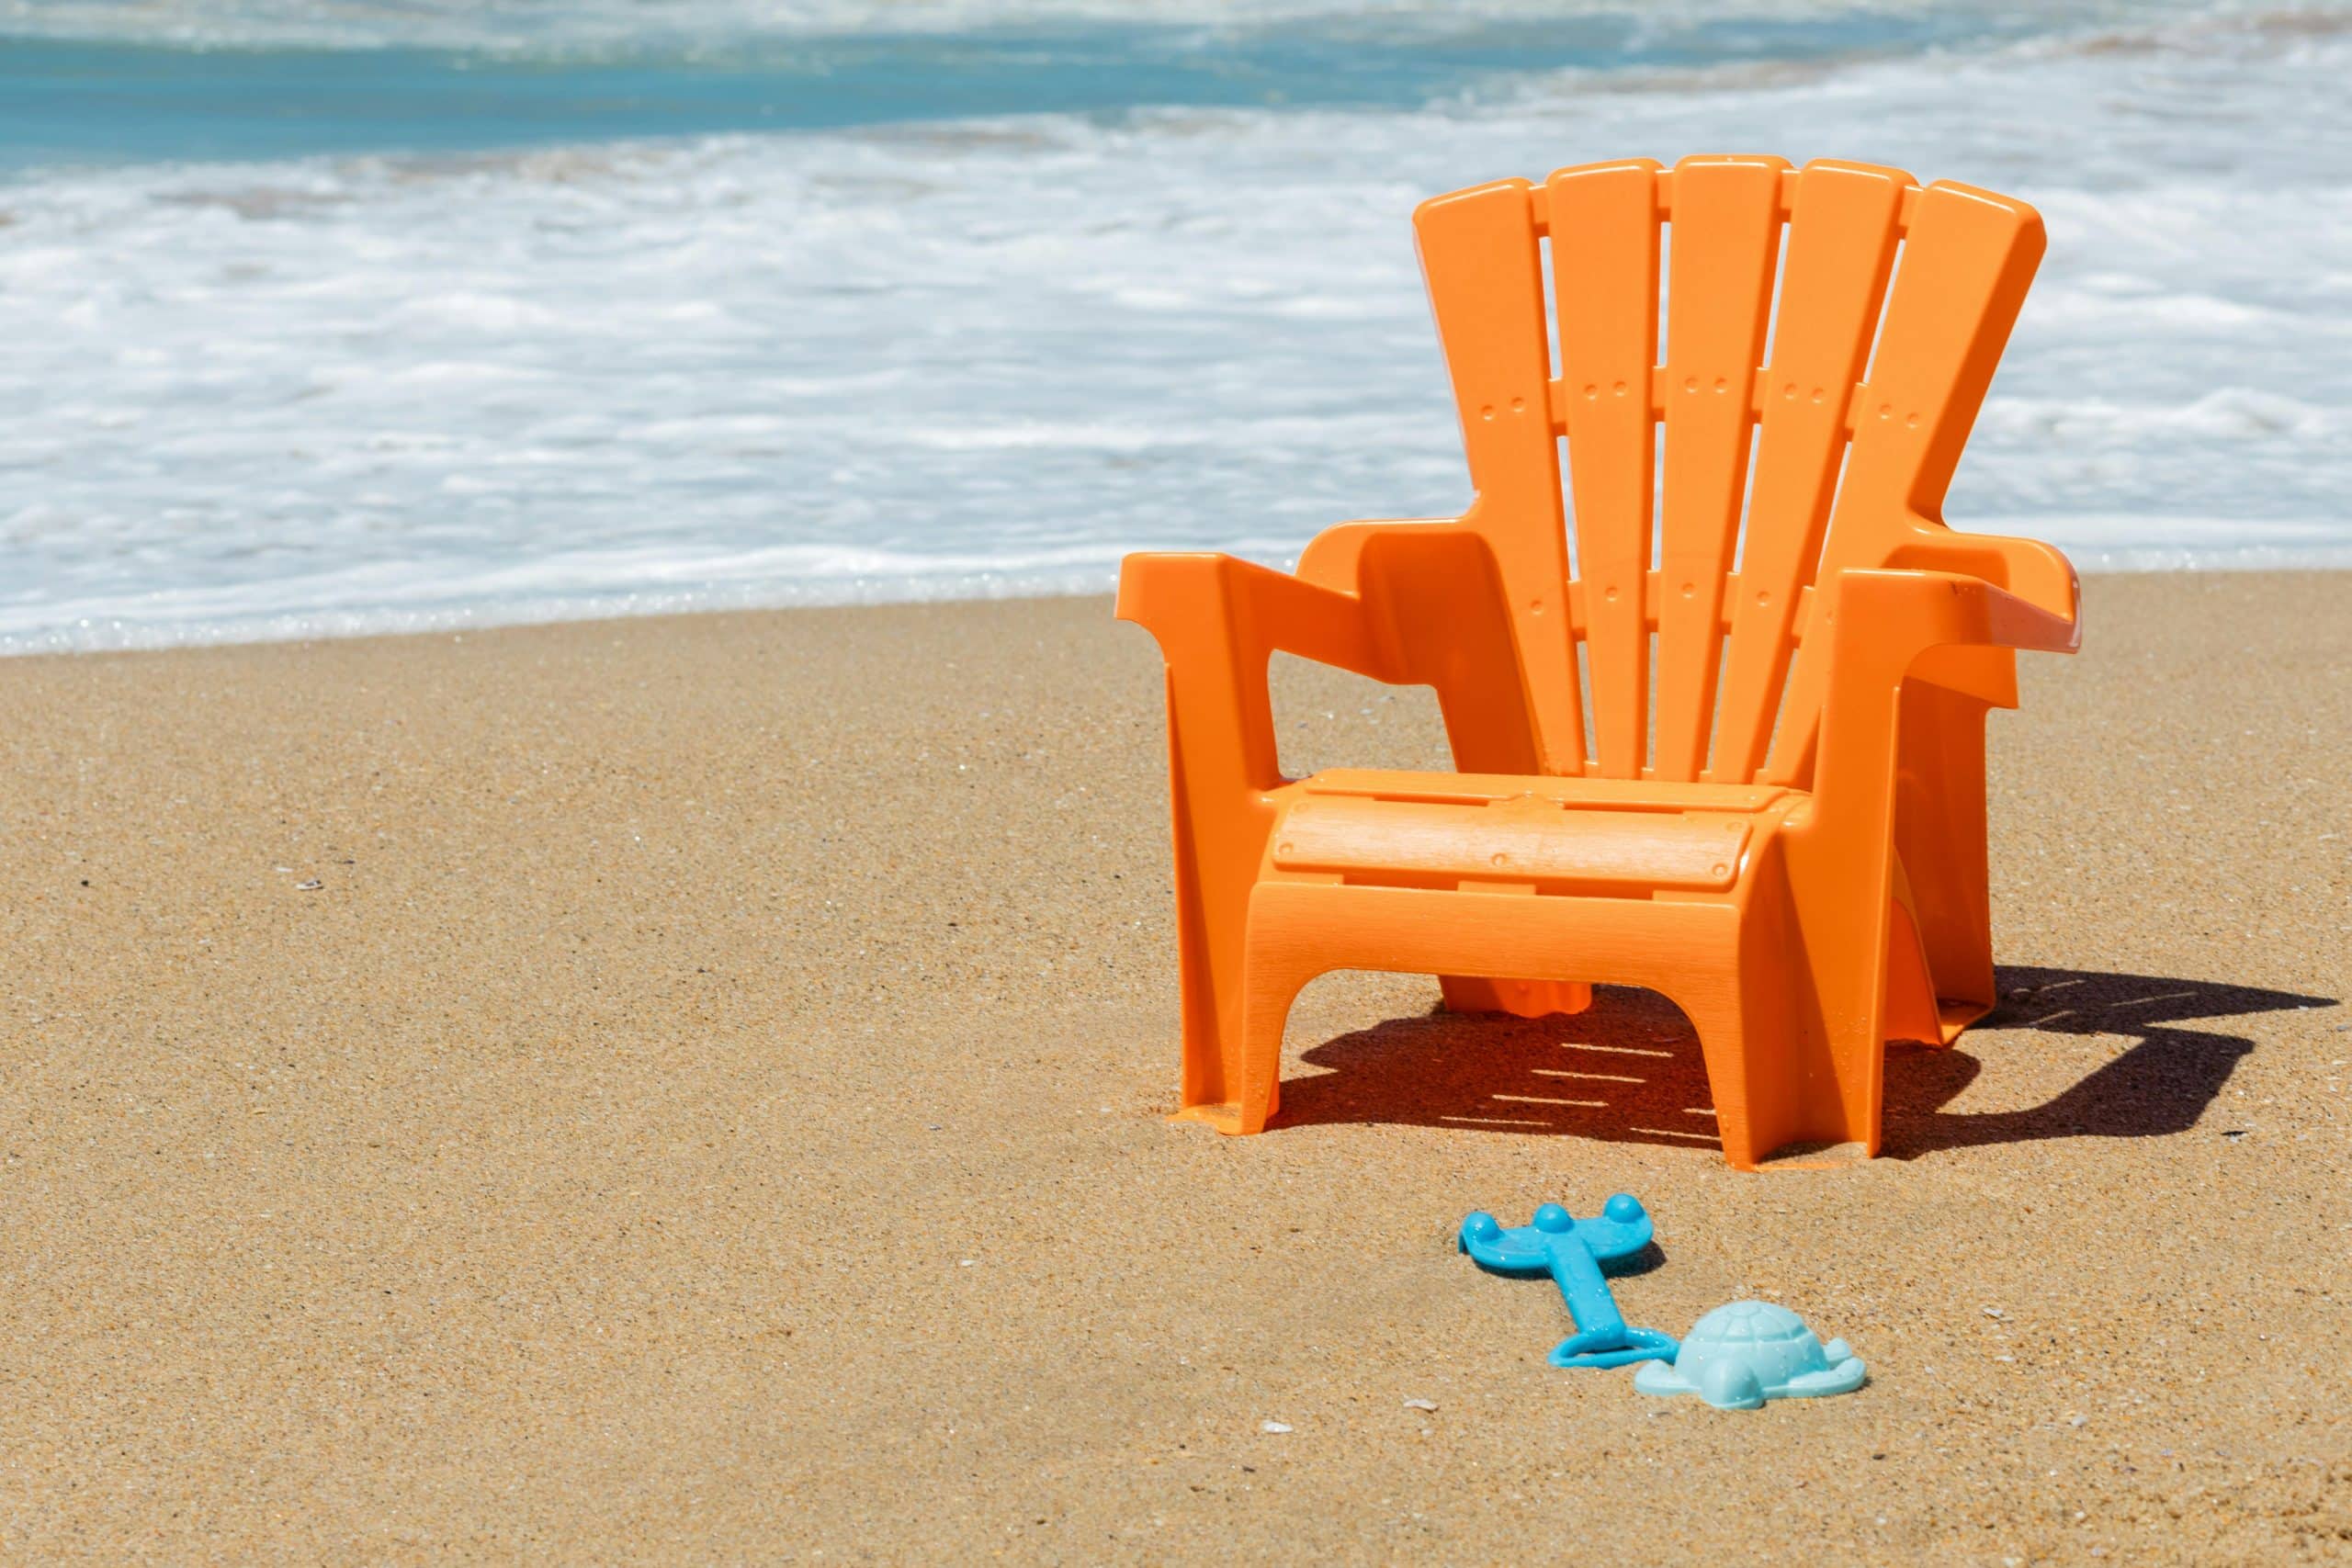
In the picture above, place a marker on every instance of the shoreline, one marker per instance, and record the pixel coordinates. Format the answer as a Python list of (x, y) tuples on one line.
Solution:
[(711, 1103), (291, 627)]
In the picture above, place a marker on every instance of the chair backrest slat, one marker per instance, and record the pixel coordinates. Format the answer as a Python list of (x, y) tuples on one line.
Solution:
[(1842, 235), (1481, 256), (1603, 221), (1726, 240)]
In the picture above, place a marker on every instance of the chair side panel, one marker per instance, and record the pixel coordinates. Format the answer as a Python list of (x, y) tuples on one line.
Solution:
[(1481, 258), (1841, 244), (1604, 224)]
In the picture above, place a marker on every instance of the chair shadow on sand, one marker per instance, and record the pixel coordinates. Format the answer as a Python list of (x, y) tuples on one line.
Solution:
[(1629, 1069)]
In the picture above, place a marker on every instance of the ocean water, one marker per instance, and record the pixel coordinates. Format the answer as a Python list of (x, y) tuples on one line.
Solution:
[(337, 317)]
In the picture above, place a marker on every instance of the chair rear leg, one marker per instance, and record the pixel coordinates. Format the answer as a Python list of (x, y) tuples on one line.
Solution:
[(1490, 726), (1939, 833), (1211, 962), (1218, 837), (1522, 999)]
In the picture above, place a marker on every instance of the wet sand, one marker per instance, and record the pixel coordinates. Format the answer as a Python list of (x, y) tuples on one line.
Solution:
[(692, 1089)]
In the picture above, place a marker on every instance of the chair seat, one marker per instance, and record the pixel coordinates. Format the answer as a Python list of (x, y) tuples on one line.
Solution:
[(1556, 835)]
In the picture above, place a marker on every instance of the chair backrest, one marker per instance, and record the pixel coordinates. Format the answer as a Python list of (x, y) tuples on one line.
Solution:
[(1673, 588)]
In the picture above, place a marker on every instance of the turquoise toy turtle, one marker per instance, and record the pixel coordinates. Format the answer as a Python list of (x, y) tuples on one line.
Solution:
[(1738, 1357)]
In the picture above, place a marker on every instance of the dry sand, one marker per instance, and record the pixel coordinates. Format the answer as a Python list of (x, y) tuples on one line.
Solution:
[(692, 1089)]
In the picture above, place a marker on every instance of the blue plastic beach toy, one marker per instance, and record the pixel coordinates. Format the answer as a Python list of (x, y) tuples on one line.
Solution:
[(1571, 1252), (1739, 1356)]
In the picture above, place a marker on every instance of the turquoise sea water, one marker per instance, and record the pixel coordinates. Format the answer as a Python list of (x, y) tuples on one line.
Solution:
[(78, 99), (347, 316)]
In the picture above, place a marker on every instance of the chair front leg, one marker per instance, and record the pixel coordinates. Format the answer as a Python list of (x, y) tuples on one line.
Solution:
[(1219, 838), (1218, 620)]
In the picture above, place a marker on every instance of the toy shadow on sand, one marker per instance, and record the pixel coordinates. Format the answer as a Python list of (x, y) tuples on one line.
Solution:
[(1629, 1071)]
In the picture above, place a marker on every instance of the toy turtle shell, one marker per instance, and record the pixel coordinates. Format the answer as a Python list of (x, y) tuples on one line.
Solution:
[(1738, 1357)]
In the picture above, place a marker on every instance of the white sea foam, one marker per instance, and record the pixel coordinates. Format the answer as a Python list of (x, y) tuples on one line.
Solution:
[(327, 395)]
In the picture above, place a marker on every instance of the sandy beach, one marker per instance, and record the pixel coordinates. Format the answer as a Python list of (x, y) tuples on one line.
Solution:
[(692, 1089)]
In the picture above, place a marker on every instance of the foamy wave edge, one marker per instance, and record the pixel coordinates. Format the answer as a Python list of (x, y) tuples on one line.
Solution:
[(430, 603)]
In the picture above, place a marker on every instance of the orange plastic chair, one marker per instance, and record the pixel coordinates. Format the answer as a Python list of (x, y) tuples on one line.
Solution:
[(1772, 808)]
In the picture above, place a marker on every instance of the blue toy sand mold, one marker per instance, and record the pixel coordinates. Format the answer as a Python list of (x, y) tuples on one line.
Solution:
[(1739, 1356), (1572, 1250)]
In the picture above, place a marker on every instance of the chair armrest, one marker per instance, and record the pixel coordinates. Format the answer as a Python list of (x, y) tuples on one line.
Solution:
[(1218, 619), (2027, 568), (1440, 599), (1893, 616), (1172, 594), (1418, 602), (1880, 622), (1335, 556)]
